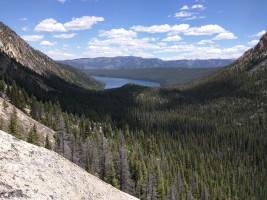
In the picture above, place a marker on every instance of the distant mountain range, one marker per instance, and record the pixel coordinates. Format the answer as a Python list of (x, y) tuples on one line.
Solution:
[(131, 62)]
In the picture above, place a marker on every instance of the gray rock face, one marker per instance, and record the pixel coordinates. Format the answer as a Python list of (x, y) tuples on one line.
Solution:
[(31, 172), (253, 60)]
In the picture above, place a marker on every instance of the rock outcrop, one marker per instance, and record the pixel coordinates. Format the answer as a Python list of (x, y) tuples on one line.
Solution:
[(31, 172), (26, 123), (253, 60)]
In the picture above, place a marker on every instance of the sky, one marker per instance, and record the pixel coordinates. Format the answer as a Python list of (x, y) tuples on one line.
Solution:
[(165, 29)]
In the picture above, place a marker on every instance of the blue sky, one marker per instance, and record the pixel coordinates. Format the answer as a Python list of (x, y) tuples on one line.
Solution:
[(166, 29)]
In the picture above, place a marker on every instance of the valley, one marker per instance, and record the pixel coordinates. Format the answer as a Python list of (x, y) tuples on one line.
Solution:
[(202, 140), (164, 76)]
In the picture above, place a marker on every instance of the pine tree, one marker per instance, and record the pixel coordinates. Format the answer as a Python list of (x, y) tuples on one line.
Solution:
[(5, 104), (126, 183), (47, 143), (2, 87), (13, 127), (111, 176), (33, 137), (1, 123)]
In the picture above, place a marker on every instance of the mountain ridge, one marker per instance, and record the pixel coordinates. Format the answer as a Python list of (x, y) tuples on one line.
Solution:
[(254, 59), (18, 51), (139, 62)]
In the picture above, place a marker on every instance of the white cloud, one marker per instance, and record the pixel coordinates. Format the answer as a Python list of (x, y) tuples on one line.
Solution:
[(60, 55), (253, 42), (65, 36), (61, 1), (205, 30), (24, 19), (190, 51), (174, 38), (83, 23), (183, 14), (47, 43), (162, 28), (194, 17), (152, 29), (259, 34), (204, 42), (118, 33), (32, 38), (65, 46), (50, 25), (185, 7), (225, 36), (121, 42), (26, 28), (198, 6)]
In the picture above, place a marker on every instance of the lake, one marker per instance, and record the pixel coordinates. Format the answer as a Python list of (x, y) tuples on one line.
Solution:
[(118, 82)]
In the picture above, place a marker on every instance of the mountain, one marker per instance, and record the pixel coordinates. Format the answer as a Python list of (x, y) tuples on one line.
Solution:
[(32, 172), (20, 61), (253, 60), (131, 62)]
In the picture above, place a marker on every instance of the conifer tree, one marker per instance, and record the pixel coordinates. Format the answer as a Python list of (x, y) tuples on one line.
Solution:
[(33, 137), (5, 104), (112, 176), (47, 143), (1, 123), (13, 127)]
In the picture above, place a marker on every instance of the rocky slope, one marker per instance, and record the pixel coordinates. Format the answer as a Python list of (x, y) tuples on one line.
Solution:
[(255, 59), (131, 62), (15, 52), (31, 172), (26, 123)]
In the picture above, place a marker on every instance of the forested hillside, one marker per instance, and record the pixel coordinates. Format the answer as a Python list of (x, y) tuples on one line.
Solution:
[(164, 76)]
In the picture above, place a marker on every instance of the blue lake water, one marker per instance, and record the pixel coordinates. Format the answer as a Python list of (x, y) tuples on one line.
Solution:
[(118, 82)]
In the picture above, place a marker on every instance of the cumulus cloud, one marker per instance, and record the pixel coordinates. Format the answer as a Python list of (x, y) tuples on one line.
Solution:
[(205, 30), (83, 23), (47, 43), (186, 14), (118, 33), (174, 38), (190, 51), (253, 42), (198, 6), (152, 29), (204, 42), (185, 7), (120, 42), (259, 34), (50, 25), (65, 36), (225, 36), (32, 38), (60, 55), (183, 14), (162, 28)]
